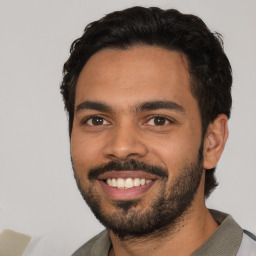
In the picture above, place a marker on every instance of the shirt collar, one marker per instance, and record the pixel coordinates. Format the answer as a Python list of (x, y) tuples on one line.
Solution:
[(225, 240)]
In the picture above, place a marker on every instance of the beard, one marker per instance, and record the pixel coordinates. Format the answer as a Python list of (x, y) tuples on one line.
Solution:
[(156, 219)]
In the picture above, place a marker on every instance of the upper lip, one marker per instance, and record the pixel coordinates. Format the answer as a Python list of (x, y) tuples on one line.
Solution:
[(126, 175)]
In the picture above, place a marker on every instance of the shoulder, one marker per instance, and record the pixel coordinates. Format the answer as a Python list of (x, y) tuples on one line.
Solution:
[(248, 244), (99, 245)]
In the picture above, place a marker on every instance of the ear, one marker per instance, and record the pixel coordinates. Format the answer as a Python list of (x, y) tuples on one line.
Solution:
[(215, 140)]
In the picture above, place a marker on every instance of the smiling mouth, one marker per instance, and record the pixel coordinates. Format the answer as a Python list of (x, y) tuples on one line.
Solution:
[(127, 183)]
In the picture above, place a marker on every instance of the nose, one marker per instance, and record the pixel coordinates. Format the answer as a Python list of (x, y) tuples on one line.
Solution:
[(123, 143)]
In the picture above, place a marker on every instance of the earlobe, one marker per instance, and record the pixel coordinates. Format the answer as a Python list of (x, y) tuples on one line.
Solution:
[(215, 140)]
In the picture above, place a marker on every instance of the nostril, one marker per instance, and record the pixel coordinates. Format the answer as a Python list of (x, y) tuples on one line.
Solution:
[(124, 147)]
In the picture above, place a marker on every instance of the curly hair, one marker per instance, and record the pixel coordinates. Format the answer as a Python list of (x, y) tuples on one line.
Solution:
[(209, 67)]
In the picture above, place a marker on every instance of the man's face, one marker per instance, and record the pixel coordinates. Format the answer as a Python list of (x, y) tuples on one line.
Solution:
[(136, 139)]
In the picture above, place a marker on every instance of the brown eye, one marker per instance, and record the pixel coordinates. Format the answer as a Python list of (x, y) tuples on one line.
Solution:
[(159, 120), (96, 121)]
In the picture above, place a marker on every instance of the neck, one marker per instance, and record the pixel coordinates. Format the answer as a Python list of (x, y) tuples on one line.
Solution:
[(195, 227)]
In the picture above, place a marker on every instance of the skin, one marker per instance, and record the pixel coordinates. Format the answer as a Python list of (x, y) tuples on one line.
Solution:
[(122, 80)]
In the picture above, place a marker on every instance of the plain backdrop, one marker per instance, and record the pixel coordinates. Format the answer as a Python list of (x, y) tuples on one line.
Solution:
[(38, 194)]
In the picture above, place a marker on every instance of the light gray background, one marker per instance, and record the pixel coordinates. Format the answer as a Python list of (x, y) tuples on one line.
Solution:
[(38, 194)]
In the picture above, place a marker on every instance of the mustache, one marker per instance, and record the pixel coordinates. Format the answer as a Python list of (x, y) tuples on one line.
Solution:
[(129, 165)]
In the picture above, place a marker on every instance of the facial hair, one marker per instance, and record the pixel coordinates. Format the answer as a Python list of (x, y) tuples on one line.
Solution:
[(159, 217)]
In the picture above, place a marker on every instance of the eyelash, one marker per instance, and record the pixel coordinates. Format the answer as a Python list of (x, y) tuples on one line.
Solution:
[(165, 119), (84, 122)]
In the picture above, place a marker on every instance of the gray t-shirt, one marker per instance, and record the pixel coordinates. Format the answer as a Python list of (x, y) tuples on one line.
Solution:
[(228, 240)]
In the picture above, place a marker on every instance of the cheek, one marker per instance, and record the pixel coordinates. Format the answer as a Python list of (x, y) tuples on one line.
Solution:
[(175, 151), (85, 152), (170, 155)]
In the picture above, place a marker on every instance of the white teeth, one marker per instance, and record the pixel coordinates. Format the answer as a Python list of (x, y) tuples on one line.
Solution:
[(109, 182), (136, 182), (127, 183), (120, 183), (114, 183)]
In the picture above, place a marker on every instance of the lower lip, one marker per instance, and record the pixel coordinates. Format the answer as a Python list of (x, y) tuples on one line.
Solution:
[(125, 194)]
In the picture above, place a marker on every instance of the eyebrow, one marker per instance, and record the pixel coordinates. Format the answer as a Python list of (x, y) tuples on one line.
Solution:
[(93, 106), (144, 106), (154, 105)]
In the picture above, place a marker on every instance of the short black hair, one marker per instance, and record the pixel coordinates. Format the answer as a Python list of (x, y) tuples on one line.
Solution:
[(209, 67)]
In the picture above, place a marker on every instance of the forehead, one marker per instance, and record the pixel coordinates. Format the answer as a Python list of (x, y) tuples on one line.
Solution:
[(135, 74)]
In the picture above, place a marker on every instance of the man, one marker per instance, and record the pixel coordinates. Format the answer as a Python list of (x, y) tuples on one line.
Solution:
[(148, 97)]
